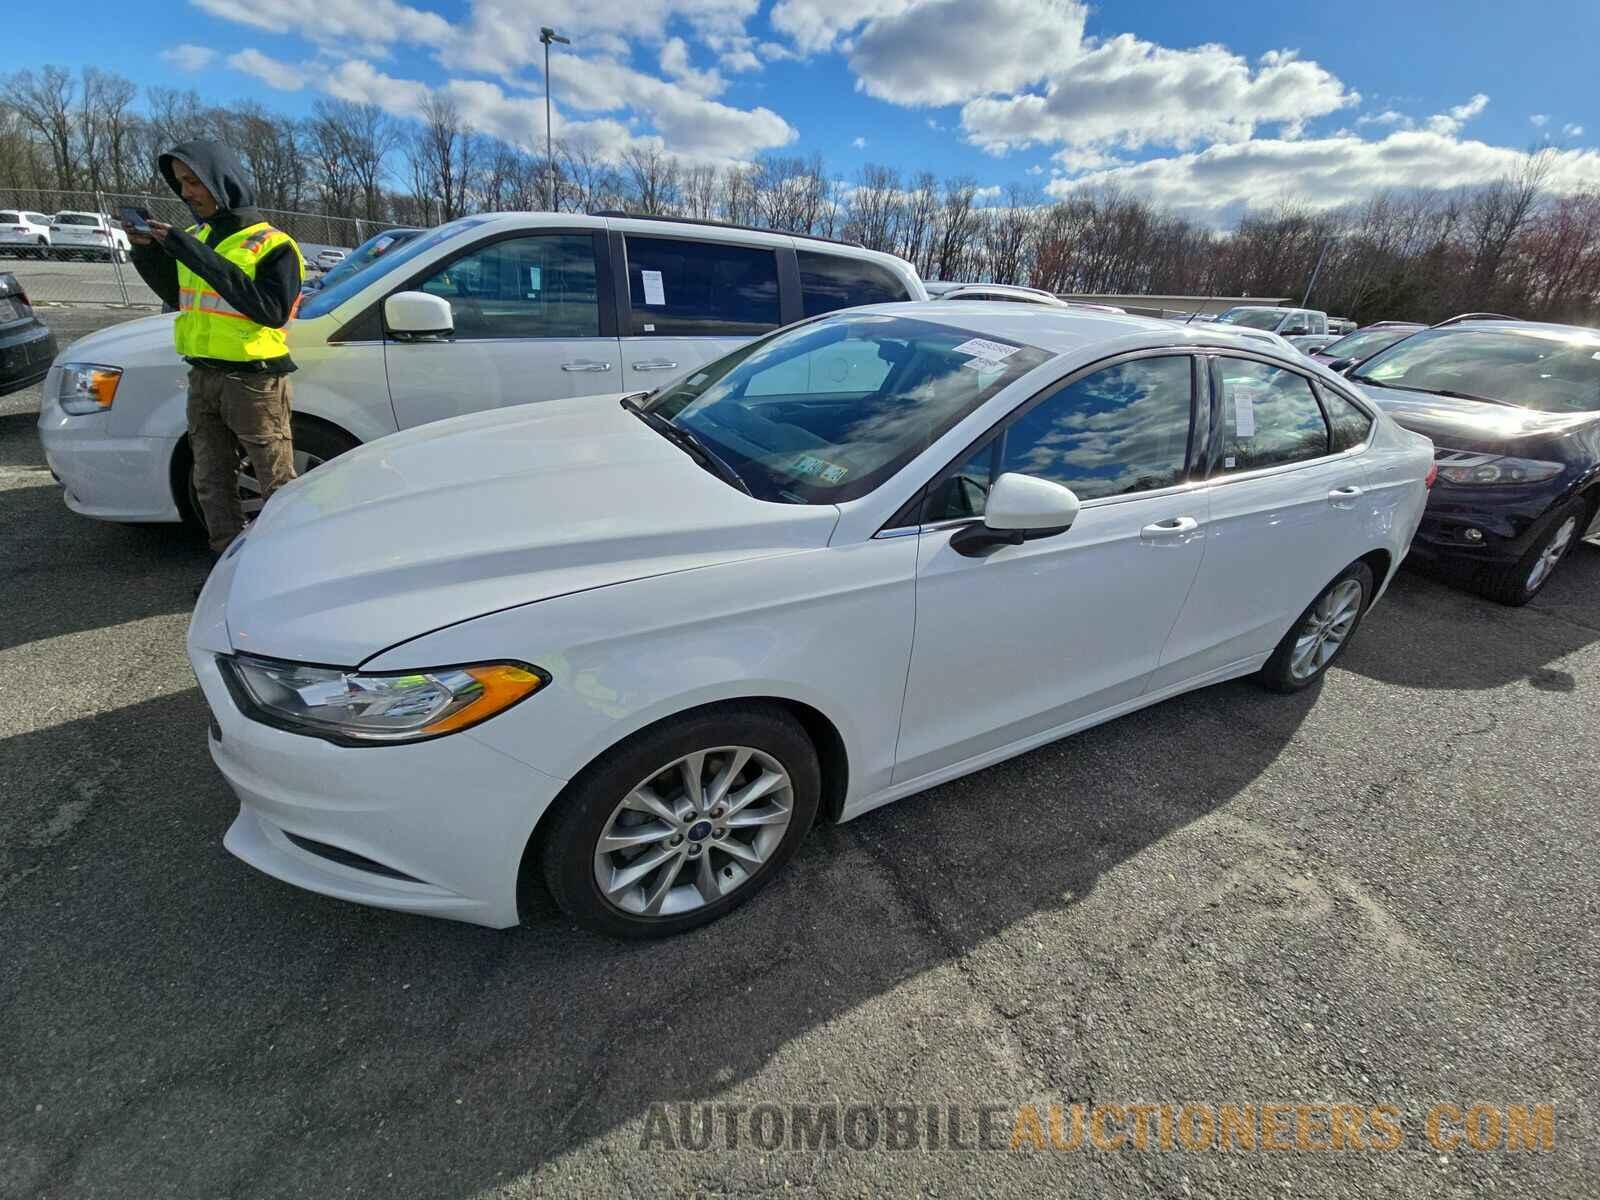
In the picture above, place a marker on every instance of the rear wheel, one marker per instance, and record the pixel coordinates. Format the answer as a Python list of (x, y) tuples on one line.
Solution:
[(1524, 579), (683, 822), (1321, 633)]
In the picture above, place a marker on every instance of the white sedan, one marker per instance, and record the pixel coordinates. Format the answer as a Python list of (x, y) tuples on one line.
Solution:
[(634, 646)]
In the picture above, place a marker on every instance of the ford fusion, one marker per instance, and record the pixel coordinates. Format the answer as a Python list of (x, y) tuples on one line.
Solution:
[(1513, 409), (630, 648)]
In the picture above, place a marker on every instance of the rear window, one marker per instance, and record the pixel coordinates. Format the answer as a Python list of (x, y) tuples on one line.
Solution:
[(8, 218), (77, 219), (833, 281), (701, 289)]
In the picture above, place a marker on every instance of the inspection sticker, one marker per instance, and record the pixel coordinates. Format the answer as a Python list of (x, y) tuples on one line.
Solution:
[(654, 293), (985, 353), (810, 464)]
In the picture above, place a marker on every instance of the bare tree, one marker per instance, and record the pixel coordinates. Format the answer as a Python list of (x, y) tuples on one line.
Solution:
[(44, 104), (654, 176), (442, 159)]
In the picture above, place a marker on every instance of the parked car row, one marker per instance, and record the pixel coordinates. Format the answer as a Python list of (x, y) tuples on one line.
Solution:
[(784, 539), (65, 235)]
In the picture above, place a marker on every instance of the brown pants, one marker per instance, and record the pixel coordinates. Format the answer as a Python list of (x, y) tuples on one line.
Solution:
[(229, 409)]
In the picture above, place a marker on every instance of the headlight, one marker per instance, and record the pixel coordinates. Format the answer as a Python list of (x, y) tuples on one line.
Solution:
[(86, 388), (1490, 469), (355, 708)]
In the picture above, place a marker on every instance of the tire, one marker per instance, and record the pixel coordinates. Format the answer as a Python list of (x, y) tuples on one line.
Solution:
[(1521, 581), (1332, 618), (314, 444), (569, 853)]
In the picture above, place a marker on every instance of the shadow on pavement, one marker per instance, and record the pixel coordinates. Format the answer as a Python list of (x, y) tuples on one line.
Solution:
[(154, 988), (1455, 639)]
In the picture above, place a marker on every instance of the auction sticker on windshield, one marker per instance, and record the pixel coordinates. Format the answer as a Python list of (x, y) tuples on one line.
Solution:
[(984, 353), (820, 468)]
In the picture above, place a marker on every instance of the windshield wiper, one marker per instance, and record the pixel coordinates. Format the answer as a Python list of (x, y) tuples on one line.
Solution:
[(686, 441), (1452, 394)]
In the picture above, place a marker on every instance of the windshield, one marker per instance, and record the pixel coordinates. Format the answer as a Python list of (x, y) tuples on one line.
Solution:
[(323, 302), (824, 412), (370, 250), (1253, 318), (1540, 370), (1365, 344)]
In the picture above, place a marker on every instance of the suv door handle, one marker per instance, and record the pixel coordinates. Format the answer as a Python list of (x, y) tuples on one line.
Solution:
[(655, 364), (1163, 530), (586, 366), (1345, 497)]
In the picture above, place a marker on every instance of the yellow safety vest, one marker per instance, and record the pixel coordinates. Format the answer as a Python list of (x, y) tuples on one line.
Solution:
[(208, 326)]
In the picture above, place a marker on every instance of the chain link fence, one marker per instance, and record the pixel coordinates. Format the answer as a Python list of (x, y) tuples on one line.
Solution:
[(54, 276)]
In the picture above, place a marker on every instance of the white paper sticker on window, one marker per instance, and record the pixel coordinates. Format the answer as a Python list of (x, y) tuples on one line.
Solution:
[(654, 293), (1230, 462), (984, 352), (649, 328), (1244, 408), (535, 274)]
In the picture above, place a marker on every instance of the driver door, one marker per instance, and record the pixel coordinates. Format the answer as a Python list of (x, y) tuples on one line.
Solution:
[(531, 323), (1029, 638)]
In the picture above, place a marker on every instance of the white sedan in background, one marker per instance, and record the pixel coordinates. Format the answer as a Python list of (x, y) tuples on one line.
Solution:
[(634, 646)]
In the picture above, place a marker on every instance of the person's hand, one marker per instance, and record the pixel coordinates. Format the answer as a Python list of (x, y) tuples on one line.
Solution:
[(158, 231)]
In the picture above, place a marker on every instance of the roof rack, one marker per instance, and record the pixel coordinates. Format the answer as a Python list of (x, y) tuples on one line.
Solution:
[(617, 212), (1459, 317)]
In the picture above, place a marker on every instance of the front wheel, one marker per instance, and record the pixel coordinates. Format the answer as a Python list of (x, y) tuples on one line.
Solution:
[(683, 822), (314, 444), (1524, 579), (1321, 633)]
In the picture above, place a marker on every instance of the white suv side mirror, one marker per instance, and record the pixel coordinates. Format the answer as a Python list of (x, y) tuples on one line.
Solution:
[(418, 315), (1020, 508)]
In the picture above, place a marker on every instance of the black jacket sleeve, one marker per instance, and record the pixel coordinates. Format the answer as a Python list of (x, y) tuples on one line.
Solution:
[(268, 299), (159, 272)]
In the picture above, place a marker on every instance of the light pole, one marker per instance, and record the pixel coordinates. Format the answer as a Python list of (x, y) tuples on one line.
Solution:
[(548, 35)]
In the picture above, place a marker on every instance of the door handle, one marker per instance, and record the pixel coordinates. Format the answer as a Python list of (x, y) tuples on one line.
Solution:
[(586, 366), (655, 364), (1345, 497), (1175, 527)]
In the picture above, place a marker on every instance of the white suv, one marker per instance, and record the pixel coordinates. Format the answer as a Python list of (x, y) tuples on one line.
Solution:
[(88, 235), (485, 312), (25, 234)]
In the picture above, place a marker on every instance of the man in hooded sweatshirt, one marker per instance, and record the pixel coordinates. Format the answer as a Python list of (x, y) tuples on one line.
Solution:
[(235, 281)]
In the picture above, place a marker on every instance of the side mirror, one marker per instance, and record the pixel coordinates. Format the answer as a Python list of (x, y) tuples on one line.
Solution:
[(1340, 365), (1021, 508), (413, 315)]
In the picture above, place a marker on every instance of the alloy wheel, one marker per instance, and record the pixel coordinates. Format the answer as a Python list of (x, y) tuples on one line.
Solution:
[(693, 832), (1325, 629), (1552, 554), (250, 490)]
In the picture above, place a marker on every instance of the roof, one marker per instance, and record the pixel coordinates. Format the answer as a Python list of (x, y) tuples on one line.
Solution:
[(1546, 329), (1067, 330)]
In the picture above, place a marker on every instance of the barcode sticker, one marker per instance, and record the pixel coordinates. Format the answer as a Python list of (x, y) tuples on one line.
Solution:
[(985, 350)]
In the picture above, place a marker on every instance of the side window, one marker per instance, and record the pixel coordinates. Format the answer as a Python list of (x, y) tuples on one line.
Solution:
[(1269, 417), (1120, 430), (701, 289), (527, 287), (962, 491), (1349, 424), (833, 281)]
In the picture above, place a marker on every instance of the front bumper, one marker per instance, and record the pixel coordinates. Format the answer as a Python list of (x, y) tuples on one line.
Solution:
[(1509, 520), (25, 356), (436, 828), (108, 476)]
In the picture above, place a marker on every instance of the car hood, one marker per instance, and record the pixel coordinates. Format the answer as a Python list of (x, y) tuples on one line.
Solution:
[(468, 516), (1469, 424), (144, 342)]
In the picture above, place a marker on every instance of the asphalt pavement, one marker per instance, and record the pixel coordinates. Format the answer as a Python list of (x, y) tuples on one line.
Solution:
[(1382, 892)]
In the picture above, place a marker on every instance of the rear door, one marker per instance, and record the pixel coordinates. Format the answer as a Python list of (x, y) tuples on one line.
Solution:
[(1290, 509), (535, 319), (687, 298)]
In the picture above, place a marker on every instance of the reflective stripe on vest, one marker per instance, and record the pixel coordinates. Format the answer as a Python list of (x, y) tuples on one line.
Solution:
[(207, 325)]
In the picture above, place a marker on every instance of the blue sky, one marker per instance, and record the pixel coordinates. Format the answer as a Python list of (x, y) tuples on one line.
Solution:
[(1202, 105)]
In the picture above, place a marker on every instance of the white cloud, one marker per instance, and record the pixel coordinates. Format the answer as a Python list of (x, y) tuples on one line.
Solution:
[(860, 143), (367, 21), (675, 65), (286, 77), (186, 56), (1572, 130), (1387, 117), (1077, 159), (1539, 120), (1036, 169), (1133, 93), (816, 24), (1005, 45), (992, 192), (1448, 124), (1323, 172), (934, 125)]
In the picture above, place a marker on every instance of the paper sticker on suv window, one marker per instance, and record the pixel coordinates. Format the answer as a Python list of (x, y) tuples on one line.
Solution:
[(1244, 406), (654, 292), (985, 353), (820, 468)]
